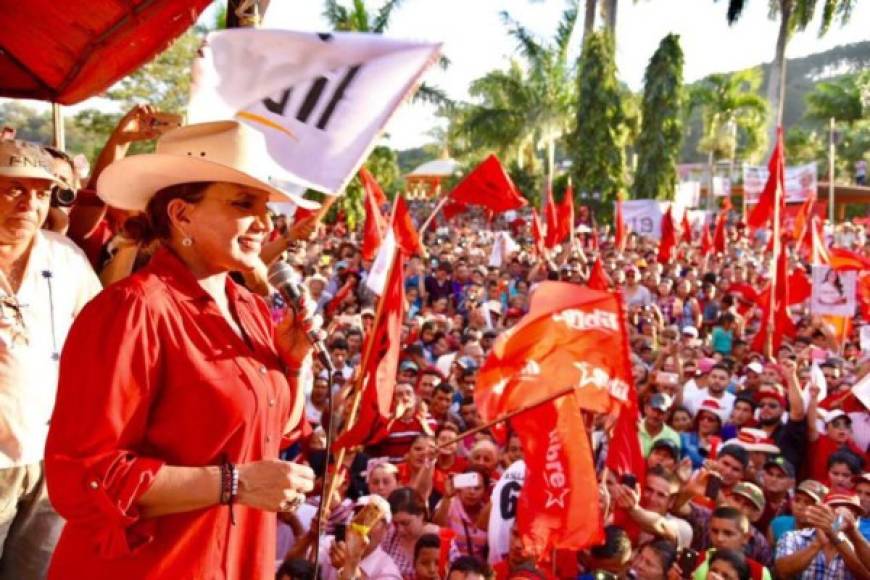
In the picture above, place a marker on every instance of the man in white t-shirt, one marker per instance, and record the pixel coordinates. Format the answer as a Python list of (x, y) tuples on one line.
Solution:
[(45, 281), (717, 383)]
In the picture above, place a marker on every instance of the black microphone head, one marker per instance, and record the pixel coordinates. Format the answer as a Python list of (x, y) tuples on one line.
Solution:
[(283, 277)]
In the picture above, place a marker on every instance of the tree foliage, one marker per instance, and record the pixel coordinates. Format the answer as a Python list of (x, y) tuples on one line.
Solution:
[(595, 148), (731, 107), (658, 145), (523, 110)]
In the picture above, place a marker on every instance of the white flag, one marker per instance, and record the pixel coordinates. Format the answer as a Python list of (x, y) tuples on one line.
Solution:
[(817, 377), (377, 278), (321, 100)]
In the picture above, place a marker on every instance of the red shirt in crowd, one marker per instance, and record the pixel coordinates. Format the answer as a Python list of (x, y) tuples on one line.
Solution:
[(152, 374)]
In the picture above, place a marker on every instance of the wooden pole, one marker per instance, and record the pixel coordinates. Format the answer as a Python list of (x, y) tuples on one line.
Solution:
[(528, 407), (330, 483), (432, 215), (58, 138)]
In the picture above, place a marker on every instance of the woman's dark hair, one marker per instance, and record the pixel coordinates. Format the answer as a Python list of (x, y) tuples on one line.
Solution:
[(408, 500), (296, 569), (154, 223), (426, 541), (852, 461), (735, 559), (468, 564)]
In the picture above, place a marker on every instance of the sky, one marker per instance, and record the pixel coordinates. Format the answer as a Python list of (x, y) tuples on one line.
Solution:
[(476, 40)]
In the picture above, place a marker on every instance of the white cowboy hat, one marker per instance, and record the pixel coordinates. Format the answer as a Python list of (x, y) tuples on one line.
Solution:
[(225, 151)]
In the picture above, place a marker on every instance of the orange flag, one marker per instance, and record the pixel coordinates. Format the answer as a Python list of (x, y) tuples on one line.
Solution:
[(375, 225), (381, 366)]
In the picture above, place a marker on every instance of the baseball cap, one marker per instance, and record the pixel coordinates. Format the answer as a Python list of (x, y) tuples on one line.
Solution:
[(409, 365), (751, 492), (770, 392), (812, 488), (782, 463), (668, 446), (661, 401), (864, 477), (25, 160), (845, 499), (711, 406), (690, 331), (755, 367)]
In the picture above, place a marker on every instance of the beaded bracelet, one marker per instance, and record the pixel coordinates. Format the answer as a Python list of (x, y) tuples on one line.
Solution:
[(229, 487)]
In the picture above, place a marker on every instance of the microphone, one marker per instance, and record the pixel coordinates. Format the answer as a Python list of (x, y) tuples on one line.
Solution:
[(283, 278)]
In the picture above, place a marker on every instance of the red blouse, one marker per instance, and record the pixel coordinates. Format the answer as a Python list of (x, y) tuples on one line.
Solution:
[(152, 374)]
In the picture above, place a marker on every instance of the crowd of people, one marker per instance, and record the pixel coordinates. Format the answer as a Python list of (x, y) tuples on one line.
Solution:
[(179, 388)]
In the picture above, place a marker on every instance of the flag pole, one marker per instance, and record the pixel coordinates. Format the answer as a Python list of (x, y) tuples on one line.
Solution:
[(328, 489), (774, 268), (510, 415), (432, 215)]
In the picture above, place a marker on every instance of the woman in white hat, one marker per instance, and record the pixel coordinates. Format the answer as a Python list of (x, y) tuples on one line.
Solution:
[(176, 392)]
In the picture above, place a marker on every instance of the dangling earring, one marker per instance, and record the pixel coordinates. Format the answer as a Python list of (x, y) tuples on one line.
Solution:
[(187, 242)]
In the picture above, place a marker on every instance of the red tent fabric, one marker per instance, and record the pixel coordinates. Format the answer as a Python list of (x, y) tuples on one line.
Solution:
[(69, 51)]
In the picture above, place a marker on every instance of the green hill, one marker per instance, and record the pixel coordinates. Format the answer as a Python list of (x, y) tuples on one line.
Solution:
[(801, 75)]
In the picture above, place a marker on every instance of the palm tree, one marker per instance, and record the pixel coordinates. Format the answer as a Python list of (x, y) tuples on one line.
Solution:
[(732, 113), (528, 106), (794, 15), (357, 18)]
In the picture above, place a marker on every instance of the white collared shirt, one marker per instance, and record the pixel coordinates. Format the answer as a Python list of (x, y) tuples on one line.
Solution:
[(57, 283)]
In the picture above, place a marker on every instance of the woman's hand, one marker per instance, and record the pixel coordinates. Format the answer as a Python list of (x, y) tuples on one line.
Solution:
[(268, 484), (291, 335)]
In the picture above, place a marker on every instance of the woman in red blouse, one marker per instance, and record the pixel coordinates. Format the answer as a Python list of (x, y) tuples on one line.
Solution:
[(175, 390)]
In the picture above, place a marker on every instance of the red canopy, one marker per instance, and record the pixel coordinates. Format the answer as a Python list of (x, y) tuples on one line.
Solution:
[(68, 51)]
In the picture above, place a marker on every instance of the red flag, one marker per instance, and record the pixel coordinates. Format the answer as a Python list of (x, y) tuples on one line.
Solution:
[(620, 235), (623, 453), (598, 279), (669, 237), (453, 209), (800, 287), (537, 233), (552, 217), (719, 233), (490, 186), (762, 213), (565, 211), (380, 368), (560, 480), (567, 339), (372, 187), (407, 238), (706, 240), (687, 228), (375, 225), (782, 322)]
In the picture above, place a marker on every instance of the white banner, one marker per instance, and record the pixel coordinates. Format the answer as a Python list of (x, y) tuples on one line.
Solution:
[(321, 100), (833, 292), (801, 181), (688, 193), (644, 217)]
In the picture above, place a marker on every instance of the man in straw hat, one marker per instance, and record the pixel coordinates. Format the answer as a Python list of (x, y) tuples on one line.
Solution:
[(175, 386), (45, 281)]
